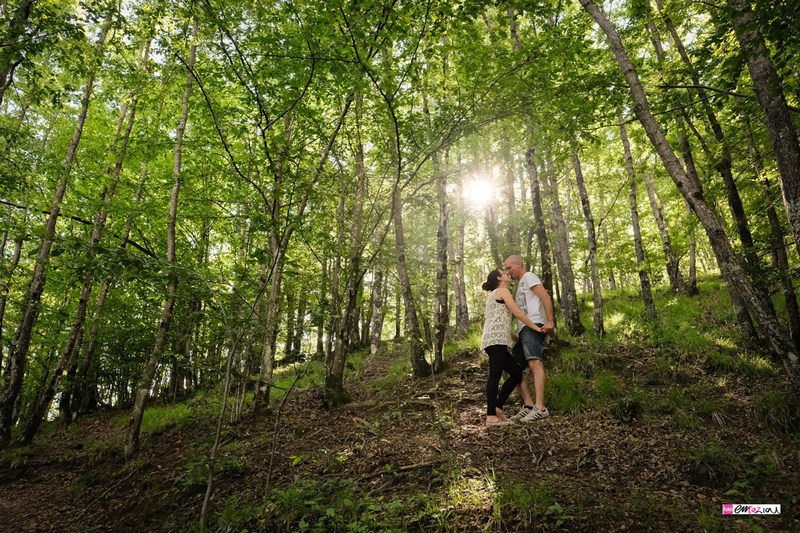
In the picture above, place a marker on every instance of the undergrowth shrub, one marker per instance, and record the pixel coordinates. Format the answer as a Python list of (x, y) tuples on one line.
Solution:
[(777, 410), (631, 407), (713, 465)]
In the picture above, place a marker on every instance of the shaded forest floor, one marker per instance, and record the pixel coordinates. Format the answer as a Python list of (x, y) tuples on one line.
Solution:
[(650, 431)]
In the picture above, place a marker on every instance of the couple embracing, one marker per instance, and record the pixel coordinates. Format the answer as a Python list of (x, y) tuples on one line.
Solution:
[(533, 309)]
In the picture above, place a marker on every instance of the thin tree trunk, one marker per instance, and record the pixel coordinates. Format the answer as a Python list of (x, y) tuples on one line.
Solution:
[(69, 353), (137, 414), (673, 268), (300, 325), (513, 236), (376, 324), (597, 318), (780, 260), (569, 297), (9, 395), (459, 283), (776, 111), (335, 393), (538, 218), (612, 282), (83, 384), (419, 364), (771, 332), (494, 239), (442, 308), (723, 162), (11, 52), (743, 320), (5, 286), (644, 277), (280, 243), (691, 286)]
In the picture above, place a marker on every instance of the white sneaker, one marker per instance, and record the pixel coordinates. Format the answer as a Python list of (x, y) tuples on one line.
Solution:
[(519, 416), (535, 414)]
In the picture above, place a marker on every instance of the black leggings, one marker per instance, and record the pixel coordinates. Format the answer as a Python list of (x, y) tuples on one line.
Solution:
[(500, 359)]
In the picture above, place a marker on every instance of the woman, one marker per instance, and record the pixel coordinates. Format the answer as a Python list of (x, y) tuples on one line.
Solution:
[(497, 341)]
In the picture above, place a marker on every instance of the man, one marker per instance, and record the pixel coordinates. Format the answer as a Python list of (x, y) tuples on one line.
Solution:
[(534, 301)]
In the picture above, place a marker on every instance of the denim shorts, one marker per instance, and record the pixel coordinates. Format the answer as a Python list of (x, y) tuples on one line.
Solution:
[(529, 346)]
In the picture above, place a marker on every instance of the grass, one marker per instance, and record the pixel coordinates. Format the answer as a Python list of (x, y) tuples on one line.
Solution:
[(159, 418)]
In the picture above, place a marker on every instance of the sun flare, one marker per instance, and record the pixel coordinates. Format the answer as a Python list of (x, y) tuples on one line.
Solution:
[(478, 192)]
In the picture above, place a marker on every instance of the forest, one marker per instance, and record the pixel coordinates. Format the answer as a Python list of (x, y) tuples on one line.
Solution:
[(242, 247)]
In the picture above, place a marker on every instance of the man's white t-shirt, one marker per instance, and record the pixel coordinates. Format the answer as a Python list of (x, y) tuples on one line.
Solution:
[(529, 302)]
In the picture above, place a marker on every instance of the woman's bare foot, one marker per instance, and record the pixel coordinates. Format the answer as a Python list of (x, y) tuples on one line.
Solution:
[(496, 421)]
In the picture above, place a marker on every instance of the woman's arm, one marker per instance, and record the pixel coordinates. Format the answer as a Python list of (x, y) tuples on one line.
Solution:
[(505, 294)]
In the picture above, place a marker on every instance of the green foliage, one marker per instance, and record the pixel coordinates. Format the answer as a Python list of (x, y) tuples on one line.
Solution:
[(631, 406), (528, 503), (777, 409), (565, 392), (237, 511), (331, 504), (397, 372), (195, 473), (160, 418), (713, 464), (606, 385)]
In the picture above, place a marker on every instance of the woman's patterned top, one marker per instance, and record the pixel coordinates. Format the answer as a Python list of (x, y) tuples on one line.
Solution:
[(497, 324)]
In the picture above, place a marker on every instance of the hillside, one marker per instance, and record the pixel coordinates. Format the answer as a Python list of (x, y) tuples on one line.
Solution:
[(653, 429)]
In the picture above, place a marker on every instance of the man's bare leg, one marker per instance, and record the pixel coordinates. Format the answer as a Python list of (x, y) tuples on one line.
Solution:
[(524, 391), (537, 370)]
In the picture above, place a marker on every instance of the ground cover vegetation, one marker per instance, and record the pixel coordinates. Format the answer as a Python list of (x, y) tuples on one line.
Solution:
[(242, 244)]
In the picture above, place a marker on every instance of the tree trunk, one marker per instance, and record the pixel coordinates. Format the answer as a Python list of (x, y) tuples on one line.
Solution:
[(459, 283), (513, 236), (776, 111), (299, 325), (691, 286), (9, 395), (11, 53), (538, 218), (376, 324), (146, 383), (68, 359), (82, 385), (743, 320), (771, 332), (597, 318), (442, 309), (644, 277), (5, 285), (780, 261), (264, 384), (612, 282), (569, 297), (723, 162), (494, 239), (419, 364), (673, 268)]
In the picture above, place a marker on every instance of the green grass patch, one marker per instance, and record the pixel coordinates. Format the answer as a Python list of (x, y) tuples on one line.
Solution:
[(565, 392), (775, 408), (525, 503), (606, 385), (159, 418), (397, 372), (713, 465)]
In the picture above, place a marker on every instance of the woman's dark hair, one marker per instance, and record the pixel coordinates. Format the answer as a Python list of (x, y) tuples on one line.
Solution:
[(491, 281)]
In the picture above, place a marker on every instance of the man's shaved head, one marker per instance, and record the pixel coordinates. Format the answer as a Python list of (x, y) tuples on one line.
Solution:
[(515, 266)]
